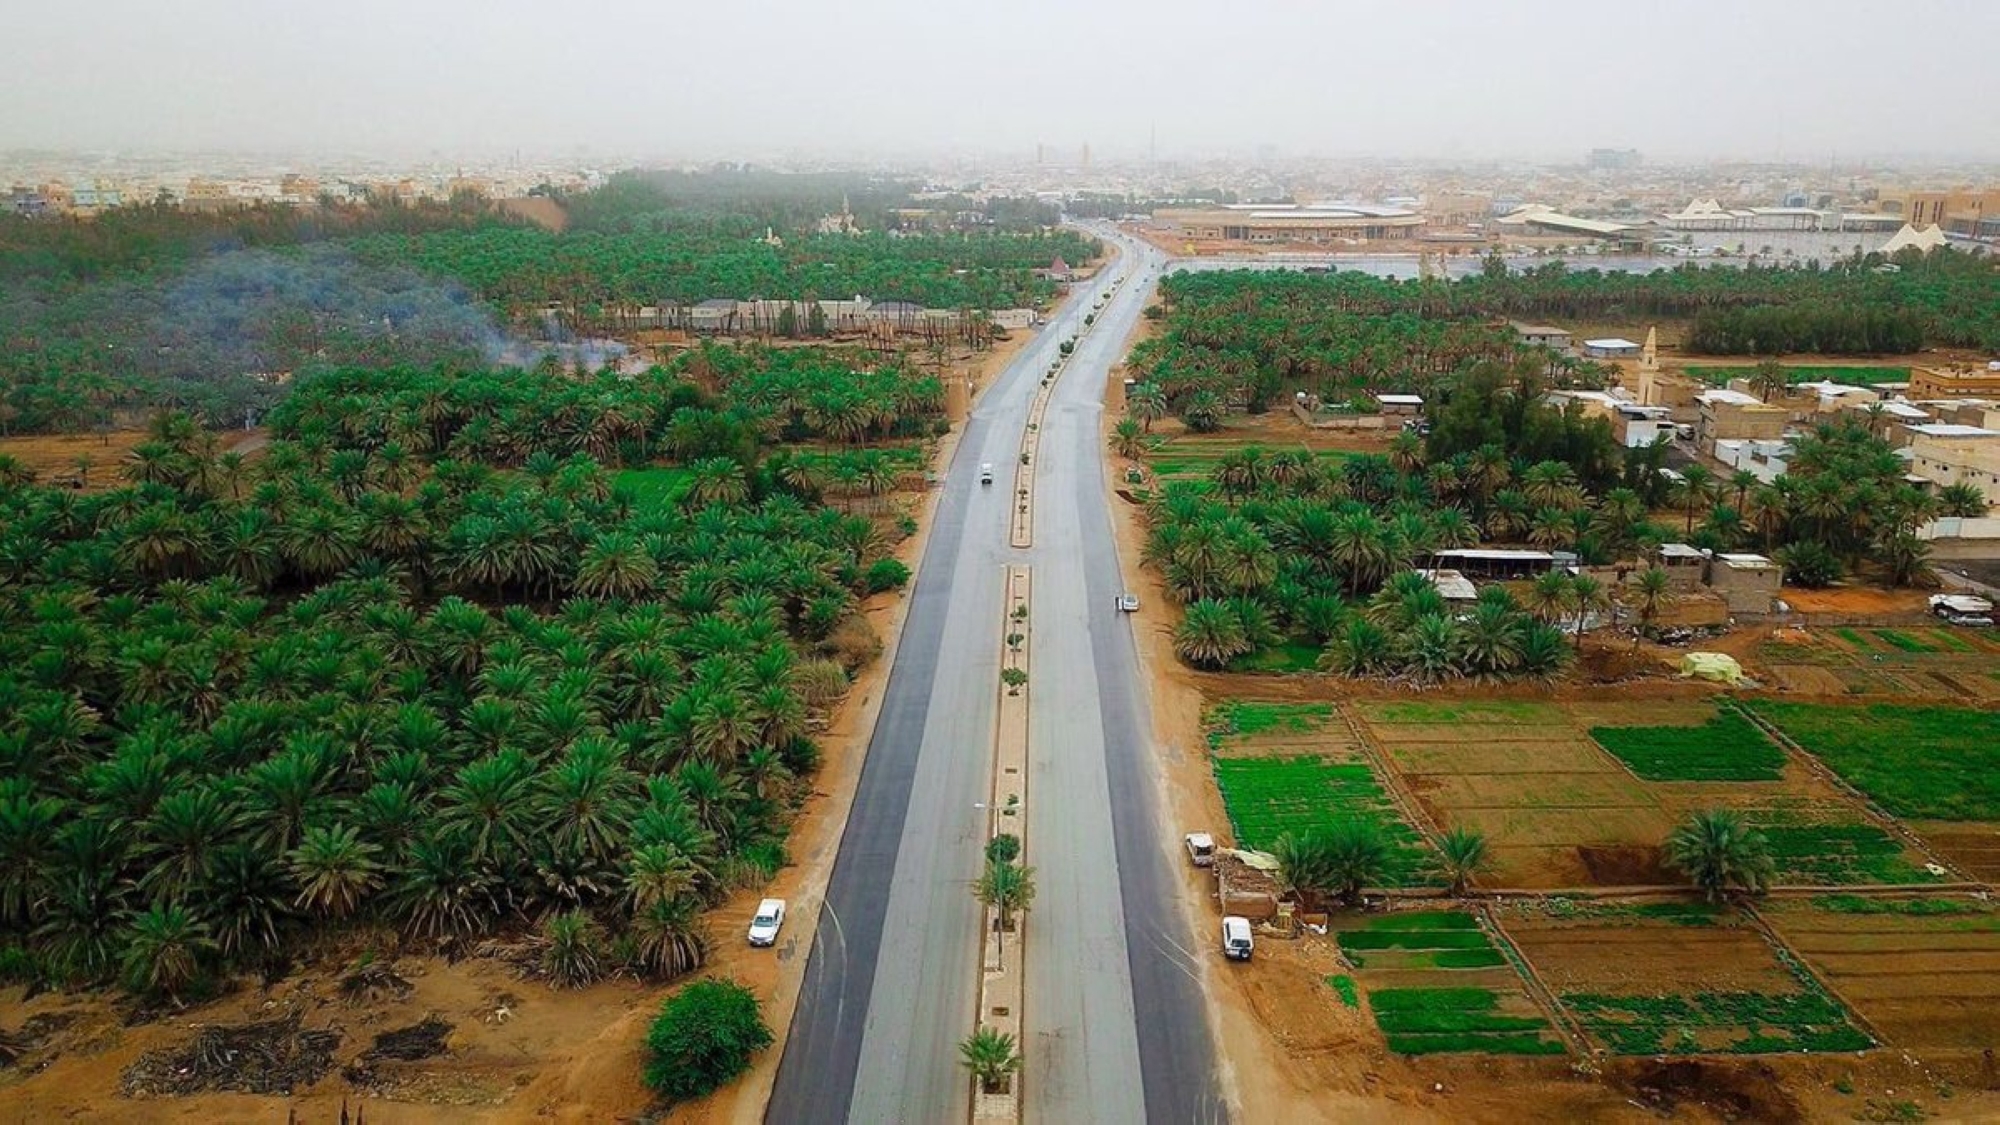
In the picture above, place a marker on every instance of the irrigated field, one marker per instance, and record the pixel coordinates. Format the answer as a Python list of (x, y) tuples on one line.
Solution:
[(1643, 983), (1295, 769), (1922, 972), (1436, 982), (1583, 794), (1920, 661)]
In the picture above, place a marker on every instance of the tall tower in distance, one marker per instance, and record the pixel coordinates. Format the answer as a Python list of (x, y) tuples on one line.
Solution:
[(1038, 152), (1086, 154)]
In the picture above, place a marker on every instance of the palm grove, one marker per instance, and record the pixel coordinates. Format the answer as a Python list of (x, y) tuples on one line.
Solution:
[(1279, 548), (427, 665)]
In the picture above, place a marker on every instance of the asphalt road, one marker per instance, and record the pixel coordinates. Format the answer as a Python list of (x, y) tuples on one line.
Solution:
[(890, 978), (1119, 1029)]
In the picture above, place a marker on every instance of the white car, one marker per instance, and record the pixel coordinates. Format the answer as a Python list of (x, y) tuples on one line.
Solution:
[(986, 472), (1236, 940), (1200, 848), (769, 919), (1128, 603)]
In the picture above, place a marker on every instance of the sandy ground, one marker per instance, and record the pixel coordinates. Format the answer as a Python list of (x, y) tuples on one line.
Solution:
[(519, 1051)]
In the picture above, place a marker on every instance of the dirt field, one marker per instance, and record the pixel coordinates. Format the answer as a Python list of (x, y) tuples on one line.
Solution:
[(1917, 659), (1921, 982)]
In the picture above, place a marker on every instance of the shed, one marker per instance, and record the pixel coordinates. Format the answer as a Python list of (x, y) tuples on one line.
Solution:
[(1400, 404)]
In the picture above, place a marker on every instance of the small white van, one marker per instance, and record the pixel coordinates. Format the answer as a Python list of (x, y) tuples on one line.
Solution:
[(986, 472), (1236, 943)]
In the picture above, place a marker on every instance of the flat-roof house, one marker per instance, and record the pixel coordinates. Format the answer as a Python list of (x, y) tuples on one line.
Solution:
[(1543, 335), (1611, 347), (1400, 404)]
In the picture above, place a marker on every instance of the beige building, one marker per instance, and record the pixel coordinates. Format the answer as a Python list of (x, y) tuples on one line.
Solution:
[(1948, 458), (1955, 382), (1959, 211), (1748, 583), (1734, 415)]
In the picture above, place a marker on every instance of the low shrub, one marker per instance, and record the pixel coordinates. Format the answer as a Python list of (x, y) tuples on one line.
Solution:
[(705, 1035)]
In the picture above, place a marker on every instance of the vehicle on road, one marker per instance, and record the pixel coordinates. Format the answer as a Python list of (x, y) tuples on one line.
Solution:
[(1236, 942), (770, 918), (986, 472), (1200, 848), (1128, 603)]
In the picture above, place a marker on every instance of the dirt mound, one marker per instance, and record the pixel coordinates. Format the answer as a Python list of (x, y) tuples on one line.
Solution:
[(1731, 1091), (1623, 865), (274, 1057)]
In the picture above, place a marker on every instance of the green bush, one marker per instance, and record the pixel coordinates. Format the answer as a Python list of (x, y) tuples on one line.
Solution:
[(886, 574), (705, 1036)]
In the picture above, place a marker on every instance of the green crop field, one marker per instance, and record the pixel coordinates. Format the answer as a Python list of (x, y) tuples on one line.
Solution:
[(653, 489), (1292, 656), (1726, 748), (1937, 763), (1450, 947), (1268, 797), (1247, 718), (1904, 641), (1852, 375), (1423, 1021), (1490, 711), (1839, 853), (1730, 1022)]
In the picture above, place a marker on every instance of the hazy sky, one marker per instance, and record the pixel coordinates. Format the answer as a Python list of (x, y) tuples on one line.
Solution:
[(1802, 79)]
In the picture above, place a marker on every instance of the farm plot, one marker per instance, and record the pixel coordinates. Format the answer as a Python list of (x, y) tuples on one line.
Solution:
[(1625, 979), (1940, 763), (1924, 973), (1269, 797), (1556, 811), (1727, 747), (1436, 982), (1911, 661), (1295, 767)]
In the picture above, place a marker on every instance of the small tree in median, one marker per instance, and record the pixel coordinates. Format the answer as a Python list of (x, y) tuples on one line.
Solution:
[(705, 1036), (1014, 678), (990, 1055), (1007, 887), (1004, 848)]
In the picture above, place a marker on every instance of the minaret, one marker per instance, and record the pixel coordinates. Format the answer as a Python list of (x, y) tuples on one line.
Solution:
[(1649, 366)]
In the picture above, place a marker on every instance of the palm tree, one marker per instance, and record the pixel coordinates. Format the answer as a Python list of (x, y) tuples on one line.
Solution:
[(1963, 500), (616, 565), (1587, 595), (1717, 851), (1127, 439), (1696, 491), (1211, 634), (1549, 596), (1147, 403), (990, 1055), (1465, 855), (1357, 853), (166, 950), (1905, 557), (717, 480), (335, 870), (1431, 650), (1652, 588), (1005, 888), (1361, 648)]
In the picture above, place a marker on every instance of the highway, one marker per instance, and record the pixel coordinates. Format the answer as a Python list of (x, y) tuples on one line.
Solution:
[(1117, 1029)]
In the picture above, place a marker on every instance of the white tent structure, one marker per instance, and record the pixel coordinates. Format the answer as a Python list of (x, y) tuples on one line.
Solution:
[(1926, 240)]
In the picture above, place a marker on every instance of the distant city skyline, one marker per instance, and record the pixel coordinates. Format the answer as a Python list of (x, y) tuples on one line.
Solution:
[(1781, 80)]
